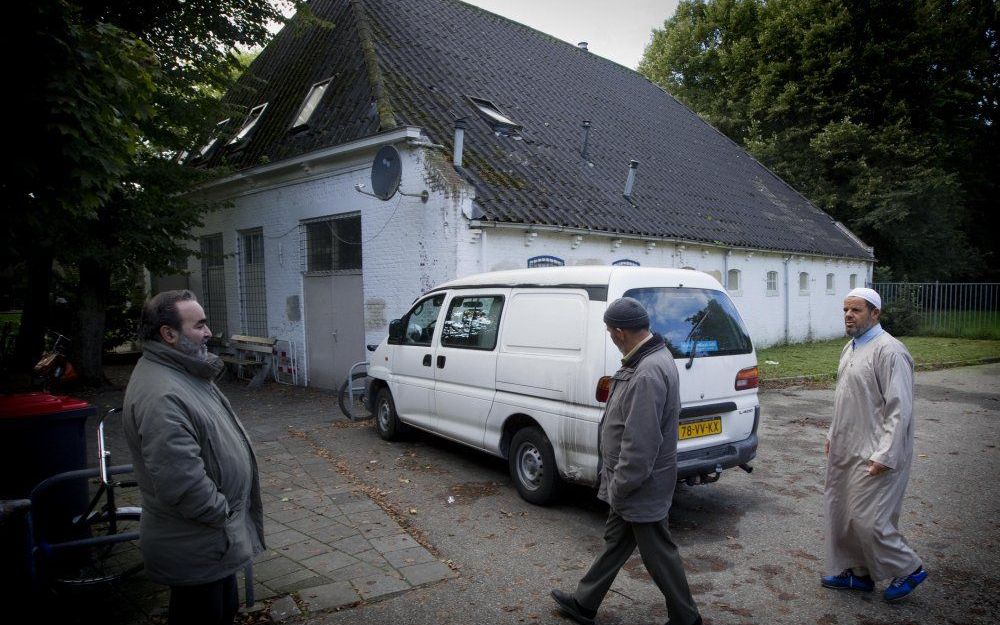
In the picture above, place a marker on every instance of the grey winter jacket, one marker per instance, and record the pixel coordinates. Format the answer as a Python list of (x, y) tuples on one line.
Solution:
[(639, 436), (202, 518)]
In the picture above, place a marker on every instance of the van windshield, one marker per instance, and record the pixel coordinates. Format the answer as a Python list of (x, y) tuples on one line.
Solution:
[(702, 319)]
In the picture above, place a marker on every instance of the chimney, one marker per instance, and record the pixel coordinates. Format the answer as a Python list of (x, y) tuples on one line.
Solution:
[(459, 141), (582, 45), (630, 182), (586, 139)]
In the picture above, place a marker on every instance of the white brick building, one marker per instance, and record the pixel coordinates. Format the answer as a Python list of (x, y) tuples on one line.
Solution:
[(304, 256)]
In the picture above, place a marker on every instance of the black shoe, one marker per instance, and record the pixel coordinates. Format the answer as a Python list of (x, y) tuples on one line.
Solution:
[(568, 605)]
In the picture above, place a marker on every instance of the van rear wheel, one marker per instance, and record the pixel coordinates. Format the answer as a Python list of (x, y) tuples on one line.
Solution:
[(533, 466), (387, 422)]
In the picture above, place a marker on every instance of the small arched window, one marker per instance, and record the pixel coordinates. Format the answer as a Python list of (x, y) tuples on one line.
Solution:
[(803, 283), (854, 281), (626, 262), (545, 261), (734, 280), (715, 273), (830, 284), (772, 282)]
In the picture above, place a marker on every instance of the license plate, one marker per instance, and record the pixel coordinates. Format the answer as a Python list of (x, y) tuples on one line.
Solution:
[(697, 429)]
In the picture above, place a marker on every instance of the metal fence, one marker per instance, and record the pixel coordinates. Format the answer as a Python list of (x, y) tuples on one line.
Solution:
[(962, 309)]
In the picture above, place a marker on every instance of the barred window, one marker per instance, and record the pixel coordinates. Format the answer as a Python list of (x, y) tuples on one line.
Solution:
[(772, 282), (333, 244), (213, 284)]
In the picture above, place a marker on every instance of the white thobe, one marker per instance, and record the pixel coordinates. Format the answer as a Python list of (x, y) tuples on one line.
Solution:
[(872, 421)]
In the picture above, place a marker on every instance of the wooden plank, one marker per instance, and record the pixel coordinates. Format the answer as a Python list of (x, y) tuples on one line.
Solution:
[(254, 339), (249, 347)]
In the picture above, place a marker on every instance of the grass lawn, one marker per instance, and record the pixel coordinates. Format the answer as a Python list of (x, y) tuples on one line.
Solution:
[(820, 359)]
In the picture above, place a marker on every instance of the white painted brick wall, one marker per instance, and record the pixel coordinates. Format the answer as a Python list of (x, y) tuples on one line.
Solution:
[(409, 246)]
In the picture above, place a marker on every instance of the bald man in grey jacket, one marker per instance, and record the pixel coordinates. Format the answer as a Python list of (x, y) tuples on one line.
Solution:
[(638, 441)]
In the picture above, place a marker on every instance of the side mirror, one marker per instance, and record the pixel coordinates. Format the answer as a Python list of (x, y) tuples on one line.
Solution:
[(396, 332)]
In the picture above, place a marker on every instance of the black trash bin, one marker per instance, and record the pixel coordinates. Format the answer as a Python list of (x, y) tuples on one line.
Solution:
[(41, 435)]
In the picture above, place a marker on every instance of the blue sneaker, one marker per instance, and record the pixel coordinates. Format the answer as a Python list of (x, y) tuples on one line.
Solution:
[(902, 586), (847, 580)]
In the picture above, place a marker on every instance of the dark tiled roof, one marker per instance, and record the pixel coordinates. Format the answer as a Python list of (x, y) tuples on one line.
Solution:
[(416, 63)]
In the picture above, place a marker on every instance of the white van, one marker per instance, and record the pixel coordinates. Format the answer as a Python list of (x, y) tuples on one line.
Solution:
[(518, 364)]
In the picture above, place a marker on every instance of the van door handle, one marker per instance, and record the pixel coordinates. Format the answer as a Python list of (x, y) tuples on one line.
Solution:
[(440, 362), (427, 360)]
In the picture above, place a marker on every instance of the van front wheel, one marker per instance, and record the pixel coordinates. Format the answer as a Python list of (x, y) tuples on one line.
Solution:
[(533, 466), (386, 420)]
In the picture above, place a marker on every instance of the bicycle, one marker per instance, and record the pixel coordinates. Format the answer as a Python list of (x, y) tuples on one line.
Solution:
[(352, 395), (98, 546)]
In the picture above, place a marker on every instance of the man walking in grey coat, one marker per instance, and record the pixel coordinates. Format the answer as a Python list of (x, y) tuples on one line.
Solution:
[(202, 518), (638, 442)]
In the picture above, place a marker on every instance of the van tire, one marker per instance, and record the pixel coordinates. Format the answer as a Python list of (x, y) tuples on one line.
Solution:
[(533, 466), (387, 422)]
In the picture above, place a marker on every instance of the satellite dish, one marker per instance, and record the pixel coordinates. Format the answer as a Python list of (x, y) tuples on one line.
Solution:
[(386, 172)]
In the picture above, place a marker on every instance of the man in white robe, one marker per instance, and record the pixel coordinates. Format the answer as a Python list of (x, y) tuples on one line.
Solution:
[(870, 449)]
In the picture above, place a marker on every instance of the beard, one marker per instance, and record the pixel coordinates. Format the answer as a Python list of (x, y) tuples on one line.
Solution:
[(858, 330), (189, 348)]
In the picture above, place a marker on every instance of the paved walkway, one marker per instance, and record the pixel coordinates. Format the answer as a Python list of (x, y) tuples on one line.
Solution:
[(329, 543)]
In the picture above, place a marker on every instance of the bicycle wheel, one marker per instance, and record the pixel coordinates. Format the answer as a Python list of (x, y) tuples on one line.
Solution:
[(110, 561), (354, 410)]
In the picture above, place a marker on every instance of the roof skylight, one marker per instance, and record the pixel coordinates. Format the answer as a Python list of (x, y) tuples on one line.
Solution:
[(250, 122), (309, 104), (205, 149), (498, 121)]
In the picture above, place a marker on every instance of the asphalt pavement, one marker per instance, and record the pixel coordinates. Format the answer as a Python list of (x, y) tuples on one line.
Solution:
[(423, 531)]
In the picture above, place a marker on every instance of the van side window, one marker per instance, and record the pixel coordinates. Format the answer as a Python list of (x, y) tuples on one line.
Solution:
[(420, 321), (472, 322)]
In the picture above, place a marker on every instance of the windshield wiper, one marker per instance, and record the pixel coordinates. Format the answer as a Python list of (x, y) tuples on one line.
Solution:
[(694, 345)]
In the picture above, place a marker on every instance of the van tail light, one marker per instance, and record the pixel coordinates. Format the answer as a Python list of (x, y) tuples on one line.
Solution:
[(747, 379), (603, 389)]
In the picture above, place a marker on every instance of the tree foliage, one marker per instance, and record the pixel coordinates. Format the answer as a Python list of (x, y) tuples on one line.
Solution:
[(883, 113), (114, 91)]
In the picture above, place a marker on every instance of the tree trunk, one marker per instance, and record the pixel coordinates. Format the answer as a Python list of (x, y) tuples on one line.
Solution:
[(95, 287), (34, 316)]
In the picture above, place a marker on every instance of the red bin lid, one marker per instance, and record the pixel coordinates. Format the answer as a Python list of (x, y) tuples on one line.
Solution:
[(34, 404)]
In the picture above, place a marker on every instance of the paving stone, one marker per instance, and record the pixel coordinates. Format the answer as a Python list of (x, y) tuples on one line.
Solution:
[(379, 586), (368, 516), (289, 514), (379, 530), (332, 532), (327, 563), (374, 558), (357, 570), (284, 609), (310, 522), (329, 596), (283, 539), (275, 568), (305, 549), (386, 544), (352, 544), (360, 505), (408, 557), (298, 580), (426, 573)]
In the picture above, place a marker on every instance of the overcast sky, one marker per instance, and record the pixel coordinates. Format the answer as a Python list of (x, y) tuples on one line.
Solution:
[(615, 29)]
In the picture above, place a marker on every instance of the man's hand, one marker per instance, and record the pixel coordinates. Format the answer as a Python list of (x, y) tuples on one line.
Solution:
[(826, 447), (874, 468)]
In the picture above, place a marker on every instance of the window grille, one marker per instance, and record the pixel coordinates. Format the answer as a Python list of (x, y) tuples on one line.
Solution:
[(213, 284), (253, 289), (626, 262), (332, 244), (772, 282), (545, 261)]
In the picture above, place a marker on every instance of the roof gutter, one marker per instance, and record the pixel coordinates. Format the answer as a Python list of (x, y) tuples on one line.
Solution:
[(482, 223), (310, 165)]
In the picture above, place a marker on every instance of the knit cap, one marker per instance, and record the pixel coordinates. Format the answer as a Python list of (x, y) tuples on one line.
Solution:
[(626, 313)]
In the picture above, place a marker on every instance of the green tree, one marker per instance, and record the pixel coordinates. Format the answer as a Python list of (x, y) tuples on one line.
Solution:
[(882, 113), (114, 92)]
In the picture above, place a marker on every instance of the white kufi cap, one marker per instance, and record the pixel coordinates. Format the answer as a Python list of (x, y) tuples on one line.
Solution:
[(867, 294)]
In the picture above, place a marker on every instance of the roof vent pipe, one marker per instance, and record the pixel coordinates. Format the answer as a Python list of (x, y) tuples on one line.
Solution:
[(459, 141), (582, 45), (586, 140), (630, 182)]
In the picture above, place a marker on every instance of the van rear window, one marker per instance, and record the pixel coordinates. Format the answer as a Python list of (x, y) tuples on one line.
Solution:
[(699, 319)]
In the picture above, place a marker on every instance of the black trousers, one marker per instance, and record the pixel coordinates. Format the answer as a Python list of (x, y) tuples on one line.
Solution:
[(659, 555), (214, 603)]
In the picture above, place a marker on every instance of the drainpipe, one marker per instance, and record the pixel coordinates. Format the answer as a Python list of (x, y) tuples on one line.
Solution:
[(725, 267), (788, 313), (459, 142)]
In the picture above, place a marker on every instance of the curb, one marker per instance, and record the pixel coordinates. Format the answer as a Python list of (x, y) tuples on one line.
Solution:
[(774, 383)]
